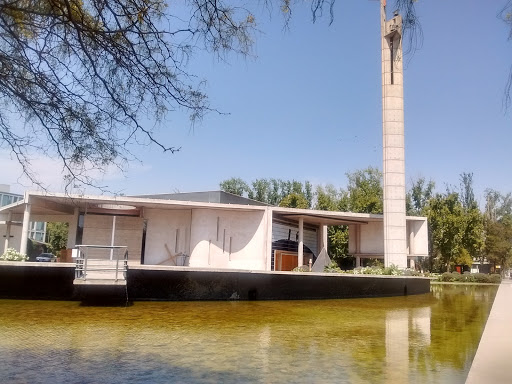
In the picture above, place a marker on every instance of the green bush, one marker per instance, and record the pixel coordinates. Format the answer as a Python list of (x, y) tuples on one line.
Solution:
[(495, 278), (12, 255), (332, 268), (392, 270), (469, 277), (450, 277)]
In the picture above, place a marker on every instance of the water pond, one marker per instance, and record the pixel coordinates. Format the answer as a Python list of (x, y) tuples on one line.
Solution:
[(415, 339)]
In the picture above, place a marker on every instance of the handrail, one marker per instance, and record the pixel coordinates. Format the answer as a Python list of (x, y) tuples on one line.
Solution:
[(85, 263)]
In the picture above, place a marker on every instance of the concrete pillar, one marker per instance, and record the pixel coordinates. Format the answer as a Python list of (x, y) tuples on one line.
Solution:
[(25, 229), (7, 231), (72, 229), (268, 247), (358, 261), (113, 238), (358, 238), (300, 251), (324, 243), (395, 243), (411, 239)]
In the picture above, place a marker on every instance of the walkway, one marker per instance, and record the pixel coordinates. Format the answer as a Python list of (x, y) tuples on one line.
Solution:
[(493, 359)]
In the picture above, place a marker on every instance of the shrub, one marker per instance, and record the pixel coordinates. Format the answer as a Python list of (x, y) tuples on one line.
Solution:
[(12, 255), (495, 278), (469, 277), (302, 268), (450, 277), (332, 268), (392, 270), (482, 278)]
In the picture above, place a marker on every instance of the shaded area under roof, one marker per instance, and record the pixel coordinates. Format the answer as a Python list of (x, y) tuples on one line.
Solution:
[(291, 246)]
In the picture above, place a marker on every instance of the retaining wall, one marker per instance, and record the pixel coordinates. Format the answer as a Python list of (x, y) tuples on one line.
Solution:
[(55, 281)]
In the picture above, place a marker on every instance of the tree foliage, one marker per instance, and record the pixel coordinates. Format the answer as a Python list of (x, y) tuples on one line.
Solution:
[(467, 195), (365, 191), (270, 191), (498, 242), (418, 196), (294, 200), (445, 216), (456, 232), (235, 185), (84, 74), (498, 228), (57, 236), (329, 198)]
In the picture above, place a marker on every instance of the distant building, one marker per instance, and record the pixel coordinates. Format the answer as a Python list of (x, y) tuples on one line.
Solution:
[(37, 229), (6, 197)]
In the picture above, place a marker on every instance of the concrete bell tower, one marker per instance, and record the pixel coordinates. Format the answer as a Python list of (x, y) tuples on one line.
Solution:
[(395, 244)]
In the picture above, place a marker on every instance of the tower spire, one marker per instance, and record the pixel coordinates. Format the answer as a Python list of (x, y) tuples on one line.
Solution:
[(395, 243)]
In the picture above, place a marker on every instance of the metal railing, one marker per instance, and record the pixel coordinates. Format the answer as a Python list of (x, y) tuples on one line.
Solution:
[(93, 262)]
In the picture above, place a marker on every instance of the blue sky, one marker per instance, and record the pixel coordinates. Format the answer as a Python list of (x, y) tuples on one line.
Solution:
[(307, 106)]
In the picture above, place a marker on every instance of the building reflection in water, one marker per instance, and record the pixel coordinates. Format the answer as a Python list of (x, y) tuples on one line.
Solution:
[(400, 326)]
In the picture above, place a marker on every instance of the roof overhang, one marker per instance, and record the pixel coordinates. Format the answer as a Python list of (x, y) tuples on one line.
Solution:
[(316, 217), (55, 205), (45, 204)]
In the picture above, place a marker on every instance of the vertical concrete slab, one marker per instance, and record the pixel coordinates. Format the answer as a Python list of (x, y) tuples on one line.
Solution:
[(25, 228), (72, 229), (7, 231), (395, 240)]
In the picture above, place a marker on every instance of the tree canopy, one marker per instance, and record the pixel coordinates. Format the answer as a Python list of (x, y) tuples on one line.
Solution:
[(498, 228), (418, 196)]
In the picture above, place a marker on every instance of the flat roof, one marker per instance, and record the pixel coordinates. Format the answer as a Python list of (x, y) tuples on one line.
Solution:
[(45, 204)]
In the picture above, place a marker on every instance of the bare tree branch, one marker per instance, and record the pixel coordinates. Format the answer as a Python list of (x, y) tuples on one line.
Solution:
[(84, 75)]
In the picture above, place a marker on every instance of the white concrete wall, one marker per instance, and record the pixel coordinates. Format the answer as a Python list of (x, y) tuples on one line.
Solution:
[(98, 231), (171, 227), (229, 239), (419, 229), (14, 242), (372, 238)]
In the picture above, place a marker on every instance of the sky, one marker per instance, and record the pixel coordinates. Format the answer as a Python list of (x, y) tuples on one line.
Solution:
[(307, 106)]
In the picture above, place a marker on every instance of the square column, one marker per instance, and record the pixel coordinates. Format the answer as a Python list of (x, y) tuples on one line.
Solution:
[(25, 229), (300, 250), (395, 239), (72, 229), (7, 231)]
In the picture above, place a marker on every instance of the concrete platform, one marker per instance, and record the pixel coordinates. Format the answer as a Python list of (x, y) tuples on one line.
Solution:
[(493, 359)]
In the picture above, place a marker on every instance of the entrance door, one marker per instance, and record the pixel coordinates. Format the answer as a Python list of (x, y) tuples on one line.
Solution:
[(285, 261)]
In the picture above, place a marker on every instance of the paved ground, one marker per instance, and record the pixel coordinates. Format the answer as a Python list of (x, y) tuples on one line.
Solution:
[(493, 359)]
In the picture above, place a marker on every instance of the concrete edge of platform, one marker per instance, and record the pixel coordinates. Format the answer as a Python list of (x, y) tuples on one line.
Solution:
[(492, 359)]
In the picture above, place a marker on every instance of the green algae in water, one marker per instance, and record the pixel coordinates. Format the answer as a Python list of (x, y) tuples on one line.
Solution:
[(418, 339)]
